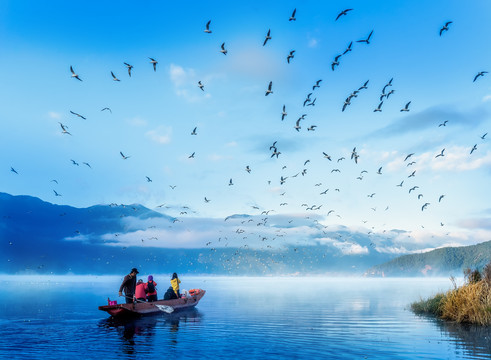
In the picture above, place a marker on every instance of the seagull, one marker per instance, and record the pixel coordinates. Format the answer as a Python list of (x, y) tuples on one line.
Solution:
[(481, 73), (424, 206), (201, 86), (312, 103), (56, 194), (379, 171), (207, 29), (317, 84), (230, 182), (223, 51), (194, 131), (367, 40), (474, 148), (306, 162), (341, 158), (441, 197), (344, 12), (346, 103), (335, 62), (283, 113), (248, 169), (411, 163), (154, 63), (74, 162), (443, 123), (441, 153), (364, 86), (106, 108), (64, 128), (293, 18), (172, 186), (268, 37), (379, 108), (297, 125), (311, 128), (408, 156), (406, 108), (413, 188), (400, 185), (123, 156), (148, 179), (13, 170), (273, 146), (482, 137), (73, 74), (348, 48), (269, 91), (412, 174), (420, 196), (445, 27), (191, 156), (55, 181), (80, 116), (206, 200), (290, 56), (328, 157), (86, 163), (129, 68), (114, 77)]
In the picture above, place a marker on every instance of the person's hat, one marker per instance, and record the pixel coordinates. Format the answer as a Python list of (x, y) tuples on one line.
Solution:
[(134, 270), (150, 278)]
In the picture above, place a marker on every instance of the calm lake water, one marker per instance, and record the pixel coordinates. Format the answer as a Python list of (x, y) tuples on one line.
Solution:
[(246, 318)]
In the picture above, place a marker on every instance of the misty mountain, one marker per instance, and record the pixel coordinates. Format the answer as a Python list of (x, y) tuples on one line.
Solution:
[(439, 262)]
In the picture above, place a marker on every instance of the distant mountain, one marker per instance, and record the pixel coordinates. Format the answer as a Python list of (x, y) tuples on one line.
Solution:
[(40, 237), (439, 262)]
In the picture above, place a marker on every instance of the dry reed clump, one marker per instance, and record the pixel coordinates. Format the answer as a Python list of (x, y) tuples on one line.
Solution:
[(470, 303)]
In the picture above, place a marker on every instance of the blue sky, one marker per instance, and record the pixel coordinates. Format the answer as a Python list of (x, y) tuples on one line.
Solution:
[(154, 112)]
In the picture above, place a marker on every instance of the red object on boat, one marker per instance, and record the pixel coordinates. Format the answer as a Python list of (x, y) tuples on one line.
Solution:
[(148, 308)]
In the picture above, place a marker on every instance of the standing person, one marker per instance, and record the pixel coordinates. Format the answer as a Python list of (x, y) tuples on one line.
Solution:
[(151, 288), (175, 285), (140, 291), (128, 286)]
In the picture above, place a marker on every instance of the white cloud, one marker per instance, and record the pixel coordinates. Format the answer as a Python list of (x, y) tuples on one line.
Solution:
[(486, 98), (181, 77), (312, 43), (186, 83), (137, 121), (54, 115), (161, 135)]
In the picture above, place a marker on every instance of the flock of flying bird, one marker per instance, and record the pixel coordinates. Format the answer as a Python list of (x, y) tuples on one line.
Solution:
[(309, 101)]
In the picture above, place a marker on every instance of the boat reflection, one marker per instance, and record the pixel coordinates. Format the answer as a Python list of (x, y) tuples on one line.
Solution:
[(139, 330)]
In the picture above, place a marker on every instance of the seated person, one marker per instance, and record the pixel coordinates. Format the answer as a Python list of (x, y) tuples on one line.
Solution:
[(151, 288), (170, 294), (140, 294)]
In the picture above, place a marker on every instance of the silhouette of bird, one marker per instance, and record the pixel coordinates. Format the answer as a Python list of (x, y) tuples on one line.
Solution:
[(13, 170), (317, 84), (73, 74), (268, 37), (80, 116), (424, 206), (443, 123), (406, 108), (283, 113), (207, 27), (74, 162), (408, 156), (230, 182), (114, 77), (445, 27), (123, 156), (269, 91), (474, 148), (106, 108), (344, 12), (56, 194), (481, 73), (327, 156), (367, 40), (440, 198), (207, 200), (154, 63), (441, 153), (88, 165), (482, 137), (293, 18), (348, 49), (335, 62), (379, 107), (201, 86), (194, 131), (364, 86), (148, 179), (290, 56), (64, 129), (248, 169), (223, 50), (130, 67), (191, 156)]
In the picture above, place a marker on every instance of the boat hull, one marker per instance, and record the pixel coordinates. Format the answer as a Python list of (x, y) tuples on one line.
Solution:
[(149, 308)]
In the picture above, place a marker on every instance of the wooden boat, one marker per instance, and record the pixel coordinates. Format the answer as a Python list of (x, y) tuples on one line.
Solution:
[(148, 308)]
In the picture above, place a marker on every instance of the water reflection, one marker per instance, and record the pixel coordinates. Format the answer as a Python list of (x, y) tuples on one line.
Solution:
[(473, 340), (140, 330)]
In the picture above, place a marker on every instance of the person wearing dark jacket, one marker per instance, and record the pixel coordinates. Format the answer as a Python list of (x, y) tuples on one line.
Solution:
[(128, 286)]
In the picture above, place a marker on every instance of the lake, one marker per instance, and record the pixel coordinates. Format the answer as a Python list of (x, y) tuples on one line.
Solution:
[(239, 317)]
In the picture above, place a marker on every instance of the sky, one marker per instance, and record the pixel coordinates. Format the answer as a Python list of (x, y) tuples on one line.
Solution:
[(153, 113)]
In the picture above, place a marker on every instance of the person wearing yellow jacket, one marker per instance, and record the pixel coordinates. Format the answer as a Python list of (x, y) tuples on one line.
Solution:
[(175, 284)]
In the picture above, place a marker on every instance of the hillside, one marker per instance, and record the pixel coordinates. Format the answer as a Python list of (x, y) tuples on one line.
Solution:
[(439, 262)]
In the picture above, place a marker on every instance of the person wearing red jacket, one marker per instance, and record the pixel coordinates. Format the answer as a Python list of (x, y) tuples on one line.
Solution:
[(140, 295), (151, 289)]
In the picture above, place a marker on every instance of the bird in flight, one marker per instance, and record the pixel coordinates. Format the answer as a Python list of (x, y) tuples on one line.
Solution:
[(424, 206), (223, 50), (114, 77), (80, 116), (230, 183), (328, 157), (290, 56), (317, 84), (268, 37), (283, 113), (379, 107), (88, 165), (408, 156), (56, 194), (440, 198), (194, 131), (441, 153), (148, 179), (269, 91), (482, 137), (344, 12), (13, 170), (207, 200), (406, 108), (367, 40), (123, 156), (443, 123), (73, 74), (191, 156), (154, 63), (130, 67), (74, 162), (335, 62), (481, 73), (248, 169), (474, 148), (64, 129), (207, 27), (348, 48), (201, 86), (445, 27), (106, 108), (364, 86), (293, 18)]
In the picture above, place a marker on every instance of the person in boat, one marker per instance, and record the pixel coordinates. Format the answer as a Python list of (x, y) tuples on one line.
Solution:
[(128, 286), (140, 294), (175, 284), (170, 294), (151, 289)]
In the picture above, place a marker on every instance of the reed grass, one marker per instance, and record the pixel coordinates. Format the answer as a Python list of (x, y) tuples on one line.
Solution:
[(470, 303)]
